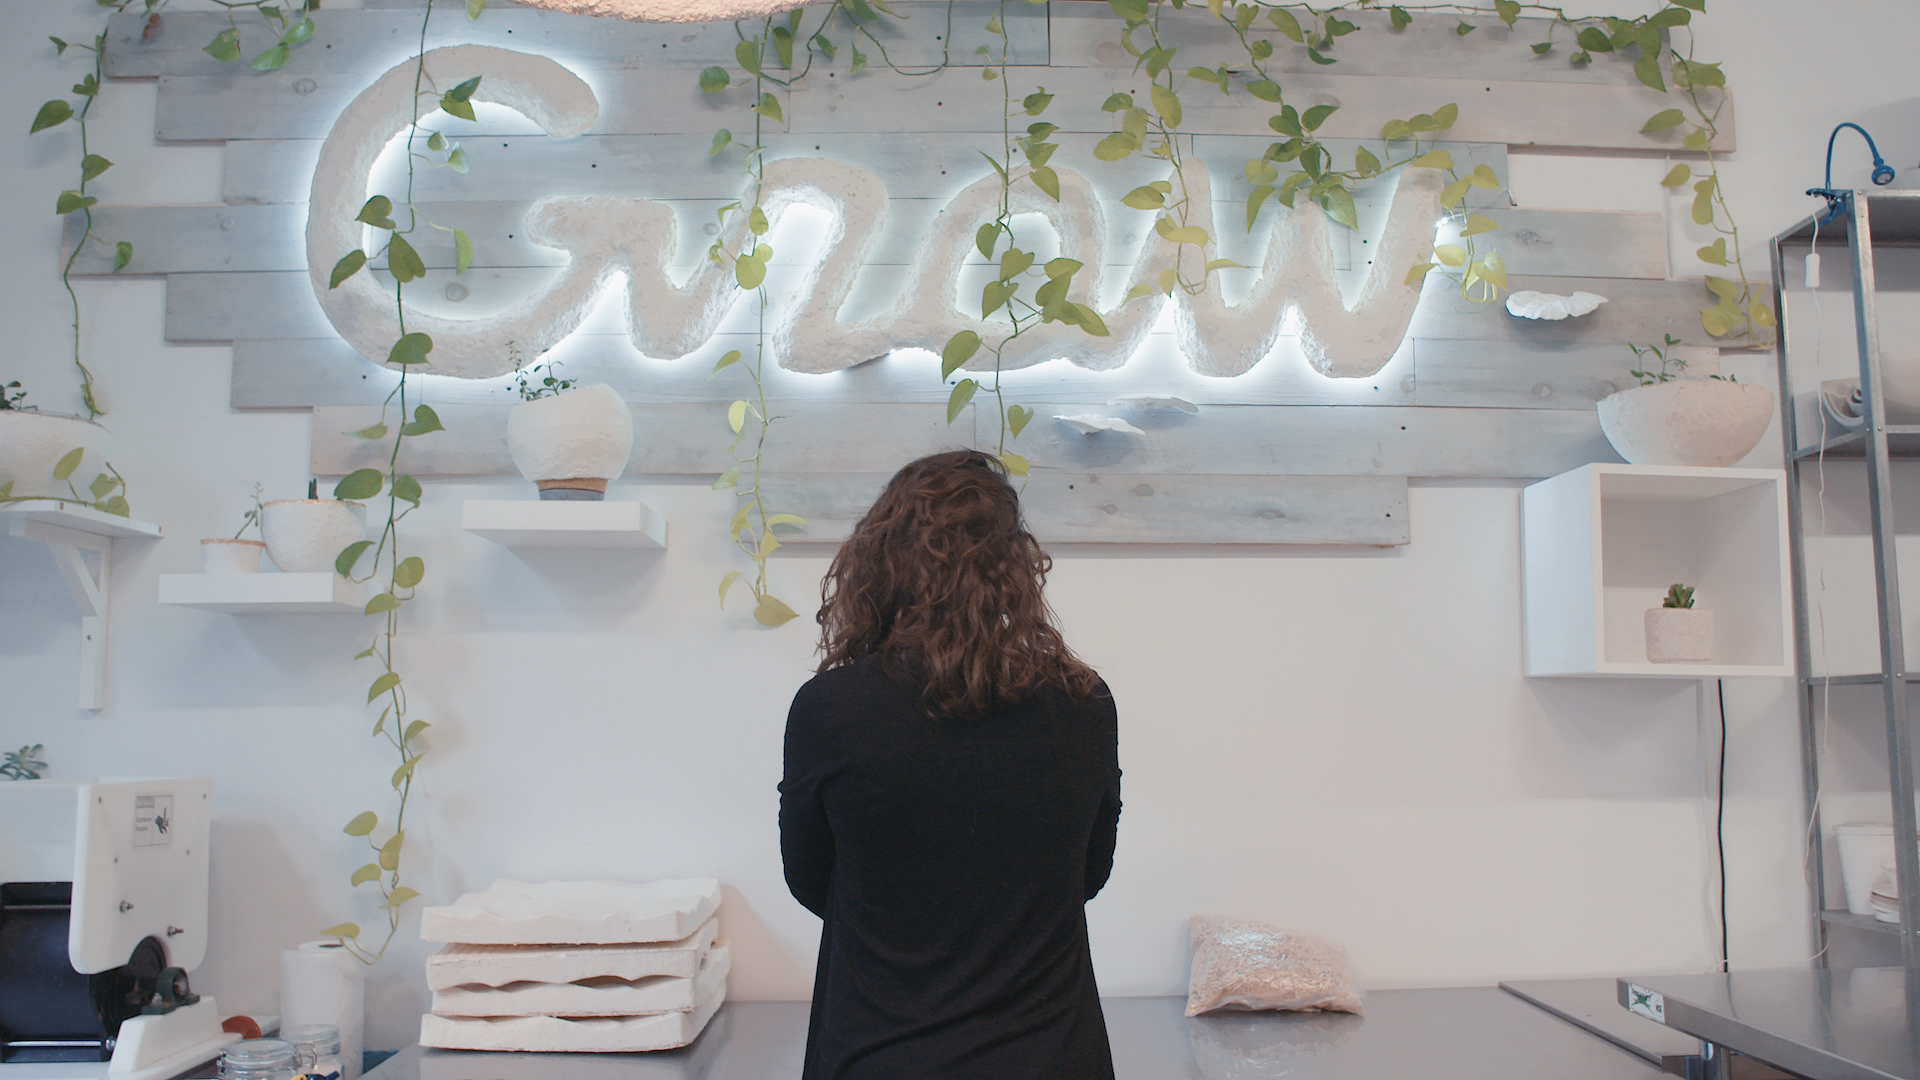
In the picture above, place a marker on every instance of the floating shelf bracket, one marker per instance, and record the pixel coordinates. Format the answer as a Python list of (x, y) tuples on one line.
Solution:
[(80, 539)]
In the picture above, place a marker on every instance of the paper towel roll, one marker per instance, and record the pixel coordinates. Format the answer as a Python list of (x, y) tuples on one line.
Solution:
[(321, 983)]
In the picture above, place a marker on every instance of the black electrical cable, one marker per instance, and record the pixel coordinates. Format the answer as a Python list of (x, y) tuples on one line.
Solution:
[(1720, 824)]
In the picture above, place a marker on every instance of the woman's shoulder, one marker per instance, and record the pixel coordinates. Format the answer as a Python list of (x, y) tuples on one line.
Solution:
[(860, 680)]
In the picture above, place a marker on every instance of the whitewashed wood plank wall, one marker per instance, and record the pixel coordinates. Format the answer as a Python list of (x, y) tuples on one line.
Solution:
[(1280, 455)]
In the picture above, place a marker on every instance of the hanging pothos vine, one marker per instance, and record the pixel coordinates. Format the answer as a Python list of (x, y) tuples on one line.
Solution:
[(402, 574)]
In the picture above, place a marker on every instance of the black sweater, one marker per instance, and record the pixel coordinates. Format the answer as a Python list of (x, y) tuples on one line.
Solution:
[(950, 862)]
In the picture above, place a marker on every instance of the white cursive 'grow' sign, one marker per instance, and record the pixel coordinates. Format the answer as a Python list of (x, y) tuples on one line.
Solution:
[(605, 235)]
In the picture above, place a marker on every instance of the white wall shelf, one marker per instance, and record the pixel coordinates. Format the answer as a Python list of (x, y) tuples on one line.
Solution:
[(72, 532), (265, 594), (1601, 544), (529, 523)]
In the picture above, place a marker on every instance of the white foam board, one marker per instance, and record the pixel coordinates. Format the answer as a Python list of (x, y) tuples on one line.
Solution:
[(603, 996), (603, 1035), (575, 913), (461, 964)]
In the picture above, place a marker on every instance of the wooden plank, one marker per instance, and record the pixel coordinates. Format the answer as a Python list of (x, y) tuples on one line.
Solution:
[(1569, 115), (1085, 35), (1096, 508), (677, 167), (1243, 440), (302, 373), (1580, 243), (667, 101), (1439, 373), (365, 43), (675, 440), (1637, 312), (269, 171), (1313, 440), (1503, 375), (280, 305), (1227, 155)]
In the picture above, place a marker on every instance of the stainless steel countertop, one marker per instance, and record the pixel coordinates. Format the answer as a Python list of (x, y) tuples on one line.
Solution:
[(1851, 1024), (1453, 1034)]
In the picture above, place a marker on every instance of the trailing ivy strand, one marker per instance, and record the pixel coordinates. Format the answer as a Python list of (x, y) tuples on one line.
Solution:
[(400, 574)]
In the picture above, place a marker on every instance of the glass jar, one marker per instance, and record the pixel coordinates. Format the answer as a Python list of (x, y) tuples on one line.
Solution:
[(316, 1049), (258, 1059)]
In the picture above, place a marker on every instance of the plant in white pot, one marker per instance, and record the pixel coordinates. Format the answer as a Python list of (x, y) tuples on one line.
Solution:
[(1671, 420), (40, 452), (1678, 632), (234, 555), (305, 536), (570, 442)]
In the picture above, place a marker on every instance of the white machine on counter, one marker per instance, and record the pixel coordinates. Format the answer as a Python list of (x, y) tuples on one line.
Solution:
[(103, 911)]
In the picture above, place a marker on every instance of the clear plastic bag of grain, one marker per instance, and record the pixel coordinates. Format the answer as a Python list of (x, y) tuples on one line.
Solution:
[(1243, 964)]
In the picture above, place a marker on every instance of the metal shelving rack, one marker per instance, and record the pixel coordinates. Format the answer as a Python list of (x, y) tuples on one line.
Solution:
[(1863, 219)]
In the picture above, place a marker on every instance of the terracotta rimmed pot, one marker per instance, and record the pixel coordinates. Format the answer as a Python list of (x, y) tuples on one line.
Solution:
[(305, 536), (33, 442), (1679, 635), (571, 445), (1687, 421), (223, 555)]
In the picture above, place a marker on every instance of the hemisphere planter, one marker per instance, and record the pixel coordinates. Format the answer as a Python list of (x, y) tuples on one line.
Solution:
[(1679, 635), (224, 556), (1687, 421), (305, 536), (571, 445), (32, 443)]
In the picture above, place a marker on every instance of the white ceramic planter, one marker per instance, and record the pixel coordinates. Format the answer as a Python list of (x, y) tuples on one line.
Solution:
[(1687, 421), (305, 536), (1679, 635), (224, 556), (32, 443), (571, 445)]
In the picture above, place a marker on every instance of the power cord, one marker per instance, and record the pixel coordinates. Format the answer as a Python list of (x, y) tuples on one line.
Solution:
[(1882, 172), (1720, 823)]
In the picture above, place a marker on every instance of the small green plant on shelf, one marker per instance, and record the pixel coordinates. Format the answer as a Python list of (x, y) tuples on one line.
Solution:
[(549, 385), (12, 397), (26, 763), (1672, 365), (1678, 596), (251, 520)]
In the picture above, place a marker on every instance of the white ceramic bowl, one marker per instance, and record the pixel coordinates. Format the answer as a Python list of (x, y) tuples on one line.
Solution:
[(585, 433), (32, 443), (305, 536), (1687, 421)]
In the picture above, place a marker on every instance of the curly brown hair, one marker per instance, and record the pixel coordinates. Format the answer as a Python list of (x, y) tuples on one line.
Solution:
[(941, 581)]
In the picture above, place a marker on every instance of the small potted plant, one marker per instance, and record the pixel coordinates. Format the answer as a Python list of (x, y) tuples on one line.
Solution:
[(570, 442), (305, 536), (1678, 632), (34, 443), (26, 763), (224, 555), (1671, 420)]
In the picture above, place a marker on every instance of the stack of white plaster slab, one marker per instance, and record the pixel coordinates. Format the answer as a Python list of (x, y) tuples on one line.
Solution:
[(582, 966)]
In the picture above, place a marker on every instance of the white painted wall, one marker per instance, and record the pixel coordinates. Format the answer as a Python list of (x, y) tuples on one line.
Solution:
[(1334, 740)]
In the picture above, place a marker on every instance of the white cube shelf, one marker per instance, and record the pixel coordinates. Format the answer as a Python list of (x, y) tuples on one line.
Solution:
[(1601, 544), (265, 594), (531, 523)]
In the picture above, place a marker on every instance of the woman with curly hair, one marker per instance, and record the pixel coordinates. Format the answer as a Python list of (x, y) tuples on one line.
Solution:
[(950, 800)]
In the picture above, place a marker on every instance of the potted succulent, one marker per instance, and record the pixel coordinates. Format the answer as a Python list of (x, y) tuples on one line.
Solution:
[(1670, 420), (26, 763), (1678, 632), (234, 555), (305, 536), (568, 441), (34, 445)]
